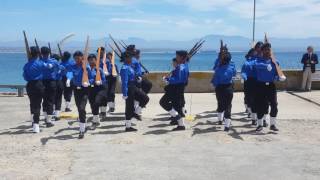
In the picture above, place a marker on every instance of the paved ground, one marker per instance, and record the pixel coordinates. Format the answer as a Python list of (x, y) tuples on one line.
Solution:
[(204, 151)]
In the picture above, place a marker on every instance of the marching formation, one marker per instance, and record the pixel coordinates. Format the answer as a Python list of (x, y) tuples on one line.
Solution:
[(93, 78)]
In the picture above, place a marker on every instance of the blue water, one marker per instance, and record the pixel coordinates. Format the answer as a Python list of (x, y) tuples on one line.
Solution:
[(11, 64)]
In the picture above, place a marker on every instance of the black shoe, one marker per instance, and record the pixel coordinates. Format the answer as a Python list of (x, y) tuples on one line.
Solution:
[(103, 114), (226, 129), (131, 129), (138, 117), (49, 124), (173, 122), (249, 115), (265, 124), (81, 135), (259, 129), (179, 128), (171, 118), (111, 110), (67, 110), (254, 122), (56, 118), (220, 122), (273, 128)]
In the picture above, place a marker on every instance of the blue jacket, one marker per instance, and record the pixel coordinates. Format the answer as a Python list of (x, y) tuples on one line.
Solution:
[(127, 77), (224, 74), (265, 70), (137, 67), (33, 70), (247, 70), (61, 72), (92, 76), (75, 74), (179, 75), (51, 74), (109, 67), (216, 63), (67, 65)]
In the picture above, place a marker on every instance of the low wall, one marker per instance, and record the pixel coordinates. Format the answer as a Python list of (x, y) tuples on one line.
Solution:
[(200, 82)]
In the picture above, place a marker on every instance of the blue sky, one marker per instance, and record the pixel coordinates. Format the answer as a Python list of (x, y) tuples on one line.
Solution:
[(157, 19)]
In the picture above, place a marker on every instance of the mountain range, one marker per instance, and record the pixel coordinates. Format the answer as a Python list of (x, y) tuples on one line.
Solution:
[(235, 43)]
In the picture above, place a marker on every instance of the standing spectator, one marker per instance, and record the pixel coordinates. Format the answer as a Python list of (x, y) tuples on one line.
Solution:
[(309, 61)]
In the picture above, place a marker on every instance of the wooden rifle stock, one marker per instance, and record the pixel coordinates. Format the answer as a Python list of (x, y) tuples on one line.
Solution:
[(26, 43), (279, 71), (114, 70), (37, 45), (105, 68), (85, 77), (98, 75)]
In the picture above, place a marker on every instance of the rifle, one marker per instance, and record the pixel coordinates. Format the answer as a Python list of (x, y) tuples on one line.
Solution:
[(37, 45), (105, 68), (60, 51), (98, 75), (115, 43), (50, 53), (114, 70), (26, 43), (85, 78), (273, 59), (119, 55), (194, 50)]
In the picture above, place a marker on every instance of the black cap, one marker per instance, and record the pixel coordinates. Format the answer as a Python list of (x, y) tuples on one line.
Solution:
[(266, 45), (56, 57), (259, 44), (34, 51), (45, 50), (174, 60), (182, 53), (77, 53), (131, 47), (66, 55), (92, 56)]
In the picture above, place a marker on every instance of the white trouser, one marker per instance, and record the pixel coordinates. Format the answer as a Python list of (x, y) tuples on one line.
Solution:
[(306, 79)]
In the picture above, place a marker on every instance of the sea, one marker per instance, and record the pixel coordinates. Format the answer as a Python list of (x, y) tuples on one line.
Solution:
[(11, 64)]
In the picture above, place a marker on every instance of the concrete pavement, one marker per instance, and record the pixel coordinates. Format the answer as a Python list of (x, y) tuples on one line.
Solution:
[(203, 151)]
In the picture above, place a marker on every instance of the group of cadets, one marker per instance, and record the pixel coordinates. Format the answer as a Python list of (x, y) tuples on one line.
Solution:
[(49, 80)]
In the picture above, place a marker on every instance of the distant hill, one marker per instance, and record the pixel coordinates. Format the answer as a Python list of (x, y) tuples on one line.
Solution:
[(235, 43)]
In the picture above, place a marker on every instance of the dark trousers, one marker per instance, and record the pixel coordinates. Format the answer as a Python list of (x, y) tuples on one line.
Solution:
[(50, 89), (266, 95), (224, 95), (250, 91), (35, 90), (134, 93), (58, 99), (146, 85), (166, 100), (97, 96), (67, 91), (178, 98), (81, 99), (111, 91)]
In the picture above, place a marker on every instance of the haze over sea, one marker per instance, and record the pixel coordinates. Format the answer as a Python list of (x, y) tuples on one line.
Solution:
[(12, 63)]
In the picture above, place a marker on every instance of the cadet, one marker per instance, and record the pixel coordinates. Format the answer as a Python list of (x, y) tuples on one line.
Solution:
[(60, 88), (130, 91), (80, 90), (33, 73), (67, 62), (266, 89), (97, 89), (223, 83), (166, 100), (178, 80), (145, 84), (111, 83), (50, 84)]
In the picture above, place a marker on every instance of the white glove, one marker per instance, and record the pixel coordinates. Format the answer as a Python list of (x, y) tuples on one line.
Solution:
[(166, 82), (269, 68), (106, 73), (282, 78), (164, 78), (242, 81), (139, 80), (85, 84), (68, 84), (124, 97), (114, 75), (98, 83)]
